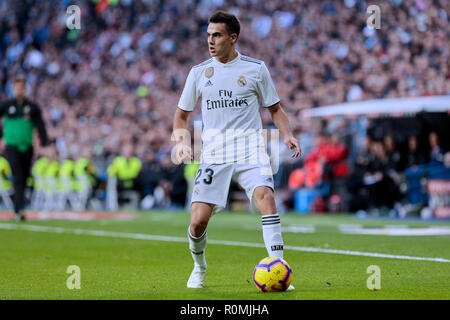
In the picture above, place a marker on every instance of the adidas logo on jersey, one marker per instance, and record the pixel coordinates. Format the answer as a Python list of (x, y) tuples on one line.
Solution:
[(209, 83)]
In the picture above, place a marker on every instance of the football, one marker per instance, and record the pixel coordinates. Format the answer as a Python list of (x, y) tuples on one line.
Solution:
[(272, 274)]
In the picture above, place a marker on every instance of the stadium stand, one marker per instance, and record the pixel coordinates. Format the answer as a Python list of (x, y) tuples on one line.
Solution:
[(116, 82)]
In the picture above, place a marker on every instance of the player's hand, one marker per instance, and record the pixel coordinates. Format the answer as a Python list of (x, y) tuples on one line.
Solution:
[(183, 153), (292, 143)]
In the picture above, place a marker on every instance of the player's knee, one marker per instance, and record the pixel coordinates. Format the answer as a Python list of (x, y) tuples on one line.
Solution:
[(264, 194), (200, 214), (199, 223), (198, 227)]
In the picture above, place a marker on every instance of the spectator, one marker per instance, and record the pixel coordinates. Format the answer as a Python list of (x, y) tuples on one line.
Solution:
[(151, 173), (393, 154), (337, 157), (173, 183), (436, 153), (383, 191), (123, 173), (414, 156), (338, 163)]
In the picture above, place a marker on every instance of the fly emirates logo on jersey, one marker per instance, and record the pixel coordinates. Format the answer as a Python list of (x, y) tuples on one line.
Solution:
[(226, 101)]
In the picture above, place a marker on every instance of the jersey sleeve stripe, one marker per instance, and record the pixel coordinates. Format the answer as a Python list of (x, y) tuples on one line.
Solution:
[(247, 59), (204, 63)]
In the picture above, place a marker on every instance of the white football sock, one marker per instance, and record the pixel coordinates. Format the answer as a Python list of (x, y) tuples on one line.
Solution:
[(271, 228), (197, 247)]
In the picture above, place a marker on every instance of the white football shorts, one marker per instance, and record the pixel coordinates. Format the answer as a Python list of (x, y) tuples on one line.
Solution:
[(212, 182)]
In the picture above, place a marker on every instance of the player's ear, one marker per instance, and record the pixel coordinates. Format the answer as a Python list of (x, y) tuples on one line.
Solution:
[(233, 38)]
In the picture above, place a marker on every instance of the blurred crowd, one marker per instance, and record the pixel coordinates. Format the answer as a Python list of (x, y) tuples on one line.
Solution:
[(386, 179), (353, 166), (116, 82)]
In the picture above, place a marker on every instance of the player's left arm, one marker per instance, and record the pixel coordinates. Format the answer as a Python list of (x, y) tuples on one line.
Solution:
[(266, 91), (281, 121)]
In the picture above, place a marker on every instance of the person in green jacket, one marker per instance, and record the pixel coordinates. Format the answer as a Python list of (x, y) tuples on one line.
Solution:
[(125, 171), (39, 183), (5, 182), (67, 184), (87, 181), (20, 117), (51, 180), (190, 171), (5, 174)]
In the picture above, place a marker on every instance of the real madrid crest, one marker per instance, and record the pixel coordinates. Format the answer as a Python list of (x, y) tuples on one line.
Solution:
[(209, 72), (242, 82)]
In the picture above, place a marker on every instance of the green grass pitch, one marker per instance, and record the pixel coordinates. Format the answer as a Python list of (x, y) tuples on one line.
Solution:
[(113, 265)]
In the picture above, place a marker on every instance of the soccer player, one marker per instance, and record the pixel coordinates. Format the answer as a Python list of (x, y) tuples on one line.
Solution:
[(230, 85), (20, 117)]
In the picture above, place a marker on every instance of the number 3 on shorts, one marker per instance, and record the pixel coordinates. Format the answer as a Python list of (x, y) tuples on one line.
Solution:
[(209, 173)]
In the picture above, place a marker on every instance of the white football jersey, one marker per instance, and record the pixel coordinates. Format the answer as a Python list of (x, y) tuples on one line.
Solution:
[(230, 94)]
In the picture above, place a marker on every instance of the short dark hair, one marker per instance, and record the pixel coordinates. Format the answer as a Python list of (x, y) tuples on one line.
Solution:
[(231, 22), (20, 78)]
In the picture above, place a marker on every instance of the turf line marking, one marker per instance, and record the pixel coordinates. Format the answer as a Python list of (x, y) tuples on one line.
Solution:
[(139, 236)]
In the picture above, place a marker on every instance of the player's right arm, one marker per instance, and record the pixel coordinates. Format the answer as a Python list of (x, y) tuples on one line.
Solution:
[(181, 135)]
